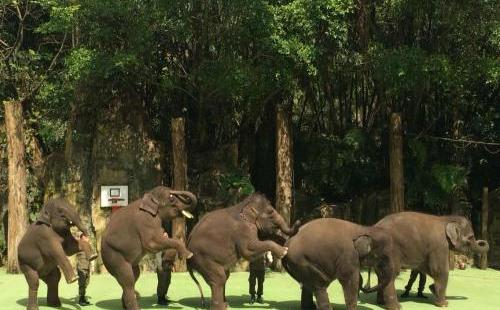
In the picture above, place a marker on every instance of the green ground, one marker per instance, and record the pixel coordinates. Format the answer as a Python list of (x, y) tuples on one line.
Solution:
[(468, 289)]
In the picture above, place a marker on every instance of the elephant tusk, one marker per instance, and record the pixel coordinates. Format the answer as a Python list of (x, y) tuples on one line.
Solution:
[(187, 214)]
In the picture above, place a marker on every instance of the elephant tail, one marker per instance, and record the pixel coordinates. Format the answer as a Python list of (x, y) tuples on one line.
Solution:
[(367, 288), (191, 273)]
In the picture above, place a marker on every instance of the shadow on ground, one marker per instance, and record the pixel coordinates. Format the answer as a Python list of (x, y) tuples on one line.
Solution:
[(145, 302), (67, 304), (241, 302)]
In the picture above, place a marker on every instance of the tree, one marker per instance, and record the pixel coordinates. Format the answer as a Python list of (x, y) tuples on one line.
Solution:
[(179, 163), (396, 159), (18, 219)]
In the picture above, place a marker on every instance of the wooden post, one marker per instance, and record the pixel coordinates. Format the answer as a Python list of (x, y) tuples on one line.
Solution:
[(483, 259), (18, 218), (179, 181), (396, 163)]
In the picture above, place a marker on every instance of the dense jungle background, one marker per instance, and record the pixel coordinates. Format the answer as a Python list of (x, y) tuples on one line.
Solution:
[(96, 84)]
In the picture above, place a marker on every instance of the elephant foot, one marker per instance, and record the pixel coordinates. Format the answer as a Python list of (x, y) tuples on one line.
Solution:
[(394, 306), (443, 303), (72, 279), (188, 256), (32, 307), (421, 295), (406, 294)]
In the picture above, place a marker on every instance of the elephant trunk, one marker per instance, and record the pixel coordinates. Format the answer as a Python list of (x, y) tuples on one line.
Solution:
[(385, 275), (186, 197), (480, 246), (284, 227), (73, 216)]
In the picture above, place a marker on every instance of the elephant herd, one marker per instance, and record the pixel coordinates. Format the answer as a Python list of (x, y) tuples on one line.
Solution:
[(314, 254)]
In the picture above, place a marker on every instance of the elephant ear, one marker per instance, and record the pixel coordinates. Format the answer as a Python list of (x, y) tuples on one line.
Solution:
[(452, 232), (43, 217), (149, 204), (363, 244)]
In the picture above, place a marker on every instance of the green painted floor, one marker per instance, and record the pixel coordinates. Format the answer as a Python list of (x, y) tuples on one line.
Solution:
[(468, 289)]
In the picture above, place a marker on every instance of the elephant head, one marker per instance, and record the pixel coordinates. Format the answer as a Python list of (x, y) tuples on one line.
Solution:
[(375, 248), (461, 236), (257, 209), (168, 203), (60, 216)]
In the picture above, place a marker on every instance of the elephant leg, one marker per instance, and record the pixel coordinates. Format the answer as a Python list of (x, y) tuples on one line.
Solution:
[(137, 273), (224, 289), (306, 299), (33, 282), (439, 289), (52, 281), (322, 300), (86, 248), (390, 297), (217, 280), (350, 286), (126, 278), (62, 261)]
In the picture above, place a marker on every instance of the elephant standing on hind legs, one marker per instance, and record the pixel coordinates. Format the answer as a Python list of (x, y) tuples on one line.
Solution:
[(136, 230), (222, 236), (327, 249), (422, 242), (45, 247)]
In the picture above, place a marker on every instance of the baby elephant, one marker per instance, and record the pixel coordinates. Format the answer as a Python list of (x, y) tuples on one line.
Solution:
[(45, 247), (327, 249), (136, 230), (223, 236)]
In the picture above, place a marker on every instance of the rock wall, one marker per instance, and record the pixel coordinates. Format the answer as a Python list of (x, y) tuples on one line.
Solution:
[(112, 146)]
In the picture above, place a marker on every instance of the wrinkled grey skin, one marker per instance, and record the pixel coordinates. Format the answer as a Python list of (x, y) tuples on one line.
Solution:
[(136, 230), (223, 236), (423, 242), (45, 247), (327, 249)]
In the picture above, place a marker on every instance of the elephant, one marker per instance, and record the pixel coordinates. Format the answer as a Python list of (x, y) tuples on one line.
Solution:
[(137, 229), (45, 247), (223, 236), (327, 249), (423, 242)]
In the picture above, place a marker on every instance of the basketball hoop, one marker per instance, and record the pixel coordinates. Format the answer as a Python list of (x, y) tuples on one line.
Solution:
[(114, 204), (113, 197)]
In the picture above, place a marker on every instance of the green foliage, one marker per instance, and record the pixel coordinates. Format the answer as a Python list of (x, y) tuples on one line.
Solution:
[(238, 181), (343, 64), (449, 177)]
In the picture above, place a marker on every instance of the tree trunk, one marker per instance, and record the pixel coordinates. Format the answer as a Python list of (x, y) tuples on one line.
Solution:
[(284, 164), (396, 163), (18, 218), (179, 181), (483, 258)]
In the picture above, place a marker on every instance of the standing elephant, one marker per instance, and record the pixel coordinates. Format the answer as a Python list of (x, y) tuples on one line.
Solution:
[(223, 236), (136, 230), (327, 249), (423, 242), (45, 247)]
